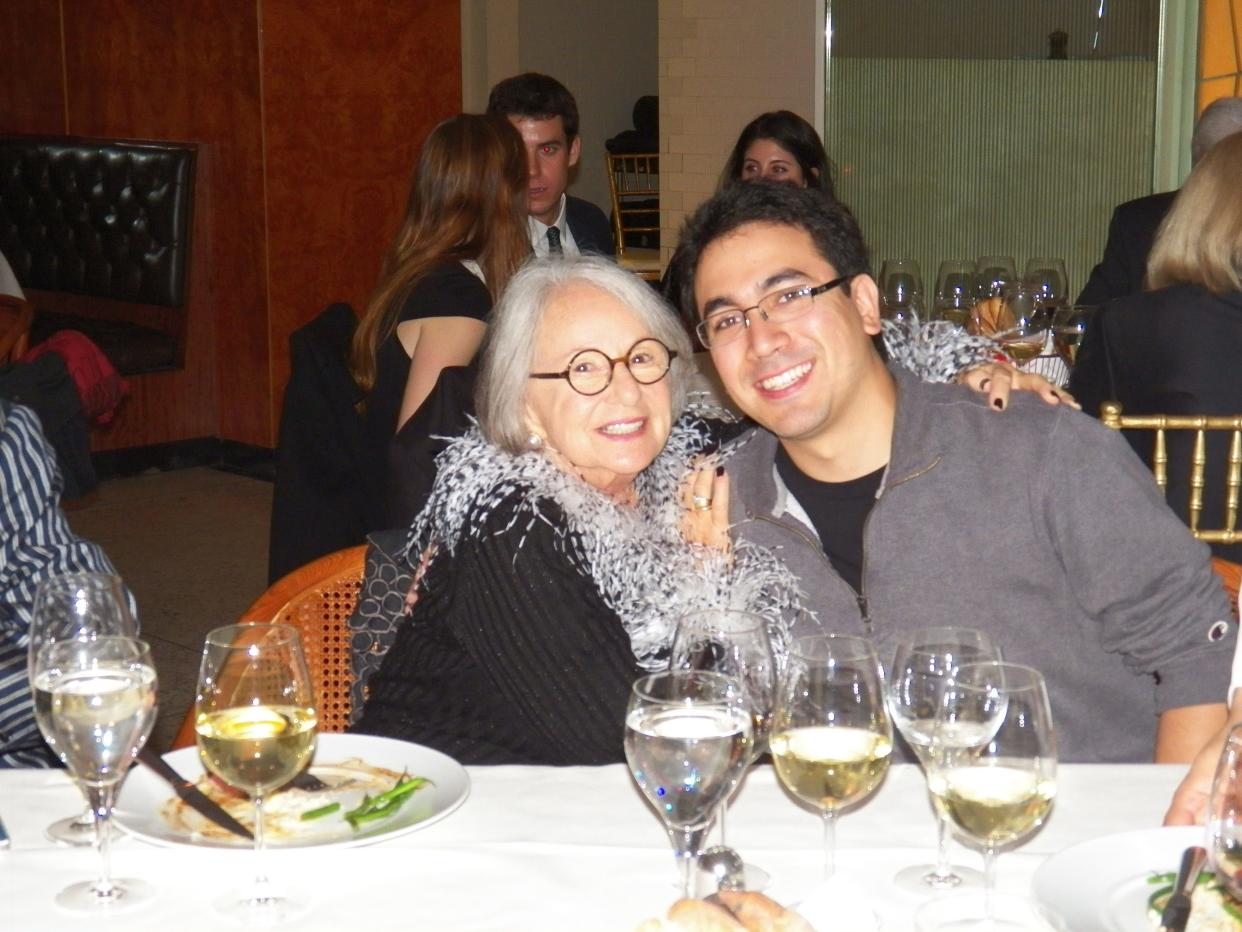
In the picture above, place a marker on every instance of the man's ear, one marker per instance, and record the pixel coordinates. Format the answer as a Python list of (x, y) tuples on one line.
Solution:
[(866, 297), (575, 150)]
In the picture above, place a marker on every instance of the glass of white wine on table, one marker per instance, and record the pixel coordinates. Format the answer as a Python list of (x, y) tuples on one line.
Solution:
[(95, 702), (996, 792), (255, 724), (922, 664), (831, 735), (688, 737), (78, 606)]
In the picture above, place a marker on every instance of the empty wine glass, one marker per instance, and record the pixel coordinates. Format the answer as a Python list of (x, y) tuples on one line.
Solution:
[(688, 738), (95, 702), (997, 786), (901, 289), (1069, 325), (1225, 816), (922, 664), (734, 644), (255, 726), (831, 735), (77, 606), (1047, 276), (992, 273), (955, 291)]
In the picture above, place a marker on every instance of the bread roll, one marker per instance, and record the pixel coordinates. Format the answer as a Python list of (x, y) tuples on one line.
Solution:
[(702, 916)]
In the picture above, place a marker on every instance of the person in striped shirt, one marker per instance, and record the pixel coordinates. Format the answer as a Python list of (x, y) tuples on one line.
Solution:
[(35, 544)]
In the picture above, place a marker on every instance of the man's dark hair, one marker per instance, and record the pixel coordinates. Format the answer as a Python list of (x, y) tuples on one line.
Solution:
[(537, 97), (829, 223)]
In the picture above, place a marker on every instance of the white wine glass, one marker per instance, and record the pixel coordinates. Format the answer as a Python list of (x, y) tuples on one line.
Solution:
[(998, 791), (831, 734), (1021, 327), (688, 738), (255, 724), (77, 606), (1225, 816), (955, 297), (922, 664), (95, 702), (1069, 326), (734, 644)]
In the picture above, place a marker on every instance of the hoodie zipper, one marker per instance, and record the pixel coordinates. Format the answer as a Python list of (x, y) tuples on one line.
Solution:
[(860, 595)]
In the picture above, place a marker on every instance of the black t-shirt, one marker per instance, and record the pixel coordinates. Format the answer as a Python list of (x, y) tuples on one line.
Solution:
[(837, 511)]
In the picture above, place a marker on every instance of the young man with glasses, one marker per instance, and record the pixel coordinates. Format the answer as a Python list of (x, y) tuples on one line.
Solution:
[(901, 504)]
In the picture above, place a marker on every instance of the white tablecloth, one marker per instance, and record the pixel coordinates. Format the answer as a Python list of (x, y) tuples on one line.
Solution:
[(546, 848)]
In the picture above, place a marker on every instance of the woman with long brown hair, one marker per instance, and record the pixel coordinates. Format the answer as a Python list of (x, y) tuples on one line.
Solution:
[(463, 237)]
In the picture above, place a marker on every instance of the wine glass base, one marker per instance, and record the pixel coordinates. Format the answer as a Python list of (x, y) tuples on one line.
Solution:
[(262, 907), (922, 878), (971, 913), (78, 831), (127, 894)]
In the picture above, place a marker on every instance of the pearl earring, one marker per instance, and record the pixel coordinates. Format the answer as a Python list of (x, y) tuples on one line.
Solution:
[(534, 441)]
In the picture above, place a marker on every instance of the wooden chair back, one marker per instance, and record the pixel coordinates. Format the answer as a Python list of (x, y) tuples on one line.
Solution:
[(16, 315), (634, 184), (1111, 416), (318, 600)]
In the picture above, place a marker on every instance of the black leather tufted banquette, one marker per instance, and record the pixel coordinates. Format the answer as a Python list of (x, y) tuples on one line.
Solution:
[(106, 219)]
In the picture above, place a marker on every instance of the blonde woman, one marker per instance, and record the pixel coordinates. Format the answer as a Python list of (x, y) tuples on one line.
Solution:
[(1173, 349)]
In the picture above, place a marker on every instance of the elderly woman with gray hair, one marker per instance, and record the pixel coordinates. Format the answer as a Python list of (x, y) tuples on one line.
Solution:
[(562, 537)]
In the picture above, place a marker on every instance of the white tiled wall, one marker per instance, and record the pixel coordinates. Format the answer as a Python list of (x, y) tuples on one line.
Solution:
[(723, 62)]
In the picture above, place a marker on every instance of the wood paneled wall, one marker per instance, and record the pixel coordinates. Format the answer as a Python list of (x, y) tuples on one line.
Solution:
[(308, 117)]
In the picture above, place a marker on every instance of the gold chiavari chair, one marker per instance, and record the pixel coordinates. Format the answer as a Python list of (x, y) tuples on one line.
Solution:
[(634, 183), (1200, 425)]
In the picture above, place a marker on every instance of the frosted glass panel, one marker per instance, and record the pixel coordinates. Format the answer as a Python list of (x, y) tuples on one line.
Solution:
[(947, 158)]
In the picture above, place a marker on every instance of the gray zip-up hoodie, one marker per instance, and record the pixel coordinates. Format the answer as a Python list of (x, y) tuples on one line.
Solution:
[(1037, 525)]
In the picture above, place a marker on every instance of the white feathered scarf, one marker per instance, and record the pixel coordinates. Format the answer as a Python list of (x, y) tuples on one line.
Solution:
[(636, 556)]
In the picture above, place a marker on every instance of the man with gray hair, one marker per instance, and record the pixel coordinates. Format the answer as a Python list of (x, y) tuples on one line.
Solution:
[(1133, 228)]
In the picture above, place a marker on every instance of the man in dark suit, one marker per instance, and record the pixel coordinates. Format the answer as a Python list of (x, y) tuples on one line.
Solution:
[(546, 115), (1132, 230)]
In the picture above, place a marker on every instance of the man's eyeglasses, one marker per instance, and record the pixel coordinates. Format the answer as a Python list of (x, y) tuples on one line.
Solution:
[(719, 327), (590, 371)]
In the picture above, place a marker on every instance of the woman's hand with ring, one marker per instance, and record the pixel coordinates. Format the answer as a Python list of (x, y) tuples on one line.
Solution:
[(705, 496)]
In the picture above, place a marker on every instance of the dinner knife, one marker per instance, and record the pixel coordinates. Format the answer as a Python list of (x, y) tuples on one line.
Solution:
[(1177, 911), (192, 796)]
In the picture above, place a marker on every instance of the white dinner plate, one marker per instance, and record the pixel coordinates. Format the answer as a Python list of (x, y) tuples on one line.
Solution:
[(1101, 885), (144, 795)]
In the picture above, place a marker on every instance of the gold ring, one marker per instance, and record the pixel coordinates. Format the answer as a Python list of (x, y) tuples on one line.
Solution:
[(701, 502)]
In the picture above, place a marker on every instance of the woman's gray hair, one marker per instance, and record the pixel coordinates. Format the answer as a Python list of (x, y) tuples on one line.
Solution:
[(509, 349)]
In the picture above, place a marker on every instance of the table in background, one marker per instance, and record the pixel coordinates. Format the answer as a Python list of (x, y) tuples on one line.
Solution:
[(546, 848)]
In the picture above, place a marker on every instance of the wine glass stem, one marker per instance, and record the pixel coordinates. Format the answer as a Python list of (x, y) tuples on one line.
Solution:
[(686, 844), (261, 892), (830, 843), (989, 881), (944, 869), (101, 805)]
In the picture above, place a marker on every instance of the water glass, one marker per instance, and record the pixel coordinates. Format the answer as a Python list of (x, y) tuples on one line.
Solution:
[(688, 737)]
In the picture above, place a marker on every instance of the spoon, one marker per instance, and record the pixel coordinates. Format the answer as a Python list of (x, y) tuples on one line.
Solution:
[(723, 866)]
